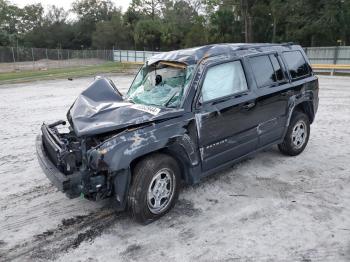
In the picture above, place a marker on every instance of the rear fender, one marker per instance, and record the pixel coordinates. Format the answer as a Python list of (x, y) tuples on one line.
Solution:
[(307, 97)]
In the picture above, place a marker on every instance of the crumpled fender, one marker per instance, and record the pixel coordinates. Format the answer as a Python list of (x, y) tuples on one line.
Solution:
[(119, 151)]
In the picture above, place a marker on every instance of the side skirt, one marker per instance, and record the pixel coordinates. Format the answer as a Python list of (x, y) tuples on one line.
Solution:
[(224, 166)]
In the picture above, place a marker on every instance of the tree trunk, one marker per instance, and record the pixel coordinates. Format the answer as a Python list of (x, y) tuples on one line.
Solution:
[(153, 11), (246, 28), (250, 29), (248, 24), (244, 20), (313, 40), (274, 29)]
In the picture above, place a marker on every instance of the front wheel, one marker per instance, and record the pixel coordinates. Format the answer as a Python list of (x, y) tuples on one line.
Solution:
[(297, 135), (155, 187)]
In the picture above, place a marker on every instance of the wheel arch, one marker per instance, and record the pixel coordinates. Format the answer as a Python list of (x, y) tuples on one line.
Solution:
[(307, 108), (181, 159)]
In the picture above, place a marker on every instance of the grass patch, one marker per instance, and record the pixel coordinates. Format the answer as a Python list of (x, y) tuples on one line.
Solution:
[(73, 72)]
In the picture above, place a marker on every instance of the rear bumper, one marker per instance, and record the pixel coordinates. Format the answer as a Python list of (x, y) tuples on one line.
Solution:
[(69, 184)]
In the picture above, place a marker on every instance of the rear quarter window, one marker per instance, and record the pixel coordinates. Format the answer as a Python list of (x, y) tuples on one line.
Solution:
[(297, 65)]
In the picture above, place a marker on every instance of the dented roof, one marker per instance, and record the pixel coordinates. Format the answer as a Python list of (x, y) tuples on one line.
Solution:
[(194, 55)]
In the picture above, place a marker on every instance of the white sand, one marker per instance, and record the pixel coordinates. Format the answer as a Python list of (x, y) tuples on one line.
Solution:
[(268, 208)]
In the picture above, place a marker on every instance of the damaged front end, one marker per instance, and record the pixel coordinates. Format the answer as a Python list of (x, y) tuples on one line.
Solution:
[(92, 153), (66, 161), (60, 157), (63, 151)]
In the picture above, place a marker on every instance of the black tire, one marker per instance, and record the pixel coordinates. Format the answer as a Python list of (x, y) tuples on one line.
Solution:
[(154, 169), (289, 146)]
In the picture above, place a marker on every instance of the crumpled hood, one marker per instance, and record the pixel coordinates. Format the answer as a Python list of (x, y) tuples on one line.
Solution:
[(101, 108)]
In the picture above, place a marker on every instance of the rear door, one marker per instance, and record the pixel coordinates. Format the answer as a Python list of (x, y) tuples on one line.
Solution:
[(226, 115), (274, 91)]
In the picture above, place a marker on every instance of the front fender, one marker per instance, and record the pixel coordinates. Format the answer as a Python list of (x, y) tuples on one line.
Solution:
[(119, 151)]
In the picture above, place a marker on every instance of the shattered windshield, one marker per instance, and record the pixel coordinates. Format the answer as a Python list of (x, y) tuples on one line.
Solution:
[(160, 84)]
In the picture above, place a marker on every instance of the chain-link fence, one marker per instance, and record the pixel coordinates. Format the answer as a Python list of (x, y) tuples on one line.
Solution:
[(21, 58), (132, 56)]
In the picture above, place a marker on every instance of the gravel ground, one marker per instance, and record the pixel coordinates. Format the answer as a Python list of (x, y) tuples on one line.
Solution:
[(267, 208)]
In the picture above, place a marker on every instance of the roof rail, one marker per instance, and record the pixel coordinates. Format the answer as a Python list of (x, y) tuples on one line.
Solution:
[(247, 46)]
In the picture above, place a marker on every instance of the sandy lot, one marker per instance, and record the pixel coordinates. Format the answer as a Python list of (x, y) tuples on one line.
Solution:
[(268, 208)]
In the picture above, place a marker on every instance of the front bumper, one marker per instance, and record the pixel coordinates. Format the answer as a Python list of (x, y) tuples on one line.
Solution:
[(69, 184)]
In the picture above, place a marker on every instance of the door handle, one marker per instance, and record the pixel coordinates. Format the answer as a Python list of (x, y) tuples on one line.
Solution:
[(248, 106)]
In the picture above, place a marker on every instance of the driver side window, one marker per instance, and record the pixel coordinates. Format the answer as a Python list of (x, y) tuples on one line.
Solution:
[(223, 80)]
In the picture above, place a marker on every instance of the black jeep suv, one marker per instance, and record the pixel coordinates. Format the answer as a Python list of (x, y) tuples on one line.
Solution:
[(187, 114)]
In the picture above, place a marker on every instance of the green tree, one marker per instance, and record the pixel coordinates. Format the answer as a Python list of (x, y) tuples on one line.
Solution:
[(225, 25), (198, 33), (179, 17), (53, 32), (173, 24), (151, 8), (10, 23), (31, 16), (111, 33), (89, 13), (279, 11), (148, 33), (56, 15)]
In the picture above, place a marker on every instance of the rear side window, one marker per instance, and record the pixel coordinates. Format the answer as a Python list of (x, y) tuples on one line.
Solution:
[(266, 69), (297, 65), (223, 80)]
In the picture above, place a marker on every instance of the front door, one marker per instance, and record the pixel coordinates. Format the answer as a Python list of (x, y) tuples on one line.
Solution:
[(226, 116)]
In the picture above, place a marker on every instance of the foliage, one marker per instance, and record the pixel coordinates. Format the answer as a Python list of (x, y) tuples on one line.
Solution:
[(173, 24), (147, 34), (111, 33)]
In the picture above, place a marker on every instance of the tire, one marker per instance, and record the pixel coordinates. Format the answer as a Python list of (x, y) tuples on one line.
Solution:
[(155, 187), (297, 135)]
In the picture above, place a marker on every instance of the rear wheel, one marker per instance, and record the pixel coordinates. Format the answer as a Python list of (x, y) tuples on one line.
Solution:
[(297, 135), (155, 187)]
